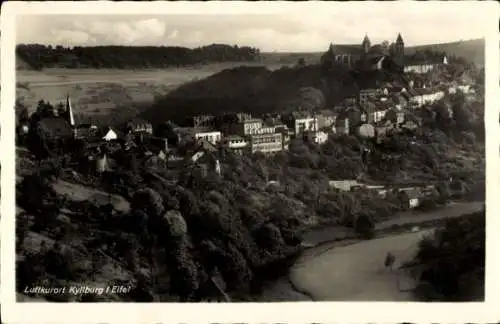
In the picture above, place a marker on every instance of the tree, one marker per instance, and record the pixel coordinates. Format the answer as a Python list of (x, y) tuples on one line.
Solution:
[(307, 99), (301, 62), (365, 226)]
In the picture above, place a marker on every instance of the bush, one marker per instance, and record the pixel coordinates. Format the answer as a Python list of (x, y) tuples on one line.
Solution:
[(365, 226)]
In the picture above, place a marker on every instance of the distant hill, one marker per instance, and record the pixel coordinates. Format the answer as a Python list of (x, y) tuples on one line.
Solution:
[(131, 57), (471, 50), (35, 56), (258, 90)]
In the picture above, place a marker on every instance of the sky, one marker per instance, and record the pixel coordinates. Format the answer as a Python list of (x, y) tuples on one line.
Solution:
[(301, 31)]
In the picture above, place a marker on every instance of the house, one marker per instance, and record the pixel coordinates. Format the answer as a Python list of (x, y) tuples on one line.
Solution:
[(234, 143), (299, 122), (266, 143), (367, 95), (157, 162), (421, 65), (102, 163), (382, 129), (426, 96), (246, 127), (366, 131), (203, 121), (410, 123), (316, 137), (343, 185), (395, 116), (410, 198), (190, 134), (212, 136), (342, 126), (140, 126), (110, 135), (207, 161), (326, 119), (378, 115), (84, 131)]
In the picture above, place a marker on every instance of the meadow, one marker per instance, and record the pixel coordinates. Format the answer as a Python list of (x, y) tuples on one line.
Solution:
[(99, 91)]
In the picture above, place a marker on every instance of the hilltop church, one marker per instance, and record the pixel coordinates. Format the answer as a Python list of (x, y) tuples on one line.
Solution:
[(382, 57), (366, 56)]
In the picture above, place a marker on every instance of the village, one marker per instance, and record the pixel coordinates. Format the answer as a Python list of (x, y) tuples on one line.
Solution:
[(379, 111)]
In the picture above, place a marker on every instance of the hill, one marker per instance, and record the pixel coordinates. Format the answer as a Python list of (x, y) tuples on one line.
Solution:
[(258, 90), (131, 57), (471, 50), (30, 56)]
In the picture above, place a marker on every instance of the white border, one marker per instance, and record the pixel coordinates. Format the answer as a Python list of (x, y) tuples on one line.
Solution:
[(250, 312)]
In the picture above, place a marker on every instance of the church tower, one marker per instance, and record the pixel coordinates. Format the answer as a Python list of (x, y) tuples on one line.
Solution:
[(399, 50), (366, 44)]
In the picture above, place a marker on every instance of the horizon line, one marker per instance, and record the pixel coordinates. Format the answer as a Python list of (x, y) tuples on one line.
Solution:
[(228, 44)]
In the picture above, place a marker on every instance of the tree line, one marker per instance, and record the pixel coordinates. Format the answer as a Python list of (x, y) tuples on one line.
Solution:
[(123, 57)]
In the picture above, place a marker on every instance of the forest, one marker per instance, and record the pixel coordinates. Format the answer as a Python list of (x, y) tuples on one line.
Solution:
[(131, 57)]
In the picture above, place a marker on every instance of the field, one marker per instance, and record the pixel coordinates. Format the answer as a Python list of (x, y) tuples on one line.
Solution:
[(98, 92)]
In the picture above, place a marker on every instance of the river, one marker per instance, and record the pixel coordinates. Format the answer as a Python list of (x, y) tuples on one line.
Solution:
[(349, 270)]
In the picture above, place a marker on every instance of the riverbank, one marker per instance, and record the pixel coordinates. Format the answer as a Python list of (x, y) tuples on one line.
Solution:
[(337, 265)]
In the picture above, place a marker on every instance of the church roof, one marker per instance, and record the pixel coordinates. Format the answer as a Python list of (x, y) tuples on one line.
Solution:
[(347, 49), (55, 127), (399, 39)]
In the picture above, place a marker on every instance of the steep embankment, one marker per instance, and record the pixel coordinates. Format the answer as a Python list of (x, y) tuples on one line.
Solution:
[(258, 90)]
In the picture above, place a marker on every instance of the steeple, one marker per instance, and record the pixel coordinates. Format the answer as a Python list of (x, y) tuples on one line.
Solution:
[(69, 110), (366, 44), (399, 40)]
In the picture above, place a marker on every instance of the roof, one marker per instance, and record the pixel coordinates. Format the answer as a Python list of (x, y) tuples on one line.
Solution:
[(194, 130), (252, 120), (56, 127), (417, 60), (424, 91), (138, 121), (234, 138), (328, 113), (347, 49), (412, 193), (375, 59)]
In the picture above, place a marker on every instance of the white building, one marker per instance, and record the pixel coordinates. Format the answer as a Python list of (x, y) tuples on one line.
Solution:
[(248, 127), (234, 142), (213, 137), (425, 95), (424, 66), (318, 137), (266, 143), (304, 124), (110, 135)]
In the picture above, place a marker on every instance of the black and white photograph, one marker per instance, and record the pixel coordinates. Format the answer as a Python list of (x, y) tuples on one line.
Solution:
[(308, 155)]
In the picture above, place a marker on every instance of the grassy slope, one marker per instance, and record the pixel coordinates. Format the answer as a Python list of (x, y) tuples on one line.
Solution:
[(472, 50)]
